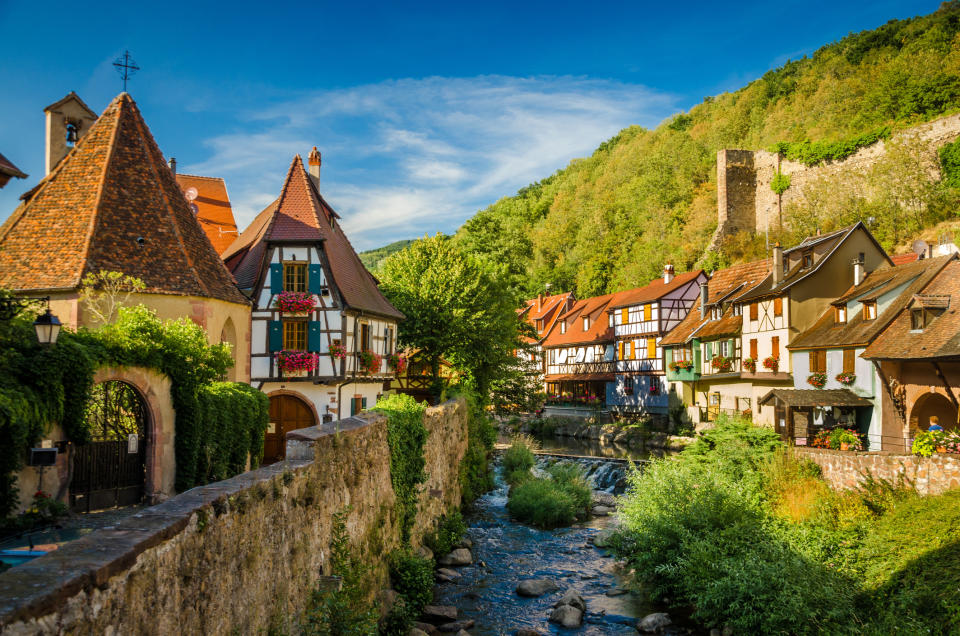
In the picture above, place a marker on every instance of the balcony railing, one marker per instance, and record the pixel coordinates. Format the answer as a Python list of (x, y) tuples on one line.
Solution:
[(582, 368)]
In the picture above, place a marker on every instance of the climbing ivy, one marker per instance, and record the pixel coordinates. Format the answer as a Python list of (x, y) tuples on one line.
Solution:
[(811, 153), (40, 386), (950, 164), (406, 436), (780, 183)]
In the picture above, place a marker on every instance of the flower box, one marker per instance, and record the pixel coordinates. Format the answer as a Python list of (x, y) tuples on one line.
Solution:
[(771, 364), (817, 380), (296, 363), (846, 378), (295, 303), (369, 362), (749, 365)]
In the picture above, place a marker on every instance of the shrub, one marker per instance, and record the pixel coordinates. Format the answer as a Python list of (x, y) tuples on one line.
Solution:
[(412, 578), (448, 533), (541, 503), (406, 436), (570, 479), (519, 456)]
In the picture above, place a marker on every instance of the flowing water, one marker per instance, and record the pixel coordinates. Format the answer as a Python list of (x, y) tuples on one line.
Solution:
[(506, 552)]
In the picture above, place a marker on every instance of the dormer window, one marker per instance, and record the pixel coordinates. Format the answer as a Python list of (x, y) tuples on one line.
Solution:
[(841, 314), (586, 323), (716, 312), (563, 327), (925, 309), (610, 319), (870, 310), (807, 260), (539, 325), (738, 310), (917, 319)]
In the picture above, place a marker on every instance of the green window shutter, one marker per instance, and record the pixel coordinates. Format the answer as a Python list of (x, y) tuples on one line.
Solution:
[(314, 336), (353, 407), (315, 279), (709, 351), (363, 403), (276, 335), (732, 348), (276, 278)]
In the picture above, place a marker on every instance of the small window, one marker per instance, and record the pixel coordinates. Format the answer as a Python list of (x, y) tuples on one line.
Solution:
[(916, 319), (624, 315), (563, 327), (365, 343), (738, 310), (539, 325), (628, 385), (388, 340), (610, 319), (841, 314), (870, 310), (651, 347), (295, 335), (753, 349), (807, 260), (586, 323), (775, 347), (295, 277)]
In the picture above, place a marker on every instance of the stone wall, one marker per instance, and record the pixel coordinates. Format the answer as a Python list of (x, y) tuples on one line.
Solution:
[(846, 469), (745, 201), (241, 555)]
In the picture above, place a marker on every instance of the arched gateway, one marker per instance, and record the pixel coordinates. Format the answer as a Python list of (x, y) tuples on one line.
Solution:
[(110, 469)]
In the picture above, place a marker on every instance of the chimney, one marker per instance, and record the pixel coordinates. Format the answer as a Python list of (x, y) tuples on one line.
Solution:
[(539, 302), (777, 264), (173, 165), (313, 163), (859, 272), (667, 273), (704, 296)]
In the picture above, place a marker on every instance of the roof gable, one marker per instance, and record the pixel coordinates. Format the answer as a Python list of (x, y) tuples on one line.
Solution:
[(214, 212), (112, 204), (654, 290)]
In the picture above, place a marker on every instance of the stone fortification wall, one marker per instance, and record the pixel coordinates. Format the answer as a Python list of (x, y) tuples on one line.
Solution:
[(241, 555), (845, 469), (745, 201)]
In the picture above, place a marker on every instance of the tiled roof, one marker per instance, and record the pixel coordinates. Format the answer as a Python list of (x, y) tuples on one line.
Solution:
[(857, 331), (939, 339), (7, 168), (598, 331), (213, 208), (724, 284), (766, 288), (901, 259), (653, 291), (814, 397), (112, 204), (300, 215), (546, 309)]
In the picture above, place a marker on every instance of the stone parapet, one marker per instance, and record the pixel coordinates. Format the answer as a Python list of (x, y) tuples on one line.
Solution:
[(240, 555), (847, 469)]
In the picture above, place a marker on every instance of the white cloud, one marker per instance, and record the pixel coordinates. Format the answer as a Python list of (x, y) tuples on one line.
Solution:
[(410, 156)]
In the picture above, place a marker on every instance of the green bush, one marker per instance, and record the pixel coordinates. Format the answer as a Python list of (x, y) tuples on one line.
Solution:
[(549, 502), (476, 477), (448, 533), (412, 578), (518, 457), (570, 478), (950, 164)]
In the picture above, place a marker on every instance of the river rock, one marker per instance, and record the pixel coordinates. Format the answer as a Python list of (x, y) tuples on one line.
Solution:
[(536, 587), (425, 553), (572, 597), (460, 556), (599, 498), (616, 591), (715, 632), (567, 616), (465, 542), (653, 623), (463, 632), (445, 575), (417, 632), (529, 632), (387, 599), (439, 614), (427, 628), (726, 631), (456, 626), (601, 511), (603, 538)]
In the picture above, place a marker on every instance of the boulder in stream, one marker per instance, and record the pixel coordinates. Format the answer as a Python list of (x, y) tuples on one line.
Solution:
[(602, 538), (460, 556), (439, 614), (567, 616), (446, 575), (572, 597), (536, 587), (654, 623), (456, 626)]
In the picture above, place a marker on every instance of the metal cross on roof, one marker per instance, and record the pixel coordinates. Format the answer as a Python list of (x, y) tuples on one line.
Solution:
[(126, 66)]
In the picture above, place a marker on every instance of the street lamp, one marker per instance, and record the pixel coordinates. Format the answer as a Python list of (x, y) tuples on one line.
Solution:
[(47, 327)]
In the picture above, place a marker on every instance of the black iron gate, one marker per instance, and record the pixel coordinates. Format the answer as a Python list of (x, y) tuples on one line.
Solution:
[(110, 470)]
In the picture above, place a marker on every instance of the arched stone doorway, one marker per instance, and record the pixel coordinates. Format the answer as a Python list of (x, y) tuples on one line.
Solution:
[(228, 335), (933, 405), (288, 412), (111, 469)]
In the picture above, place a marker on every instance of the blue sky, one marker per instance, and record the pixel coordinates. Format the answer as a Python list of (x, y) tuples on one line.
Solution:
[(424, 112)]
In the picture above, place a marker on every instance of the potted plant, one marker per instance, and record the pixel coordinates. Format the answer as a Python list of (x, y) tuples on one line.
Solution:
[(369, 361), (817, 380), (396, 362), (294, 303), (681, 365), (337, 351), (846, 378), (771, 363), (749, 365), (295, 364), (845, 439), (722, 364)]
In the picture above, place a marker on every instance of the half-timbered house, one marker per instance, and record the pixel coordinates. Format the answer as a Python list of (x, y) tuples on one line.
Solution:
[(640, 318), (541, 313), (322, 331)]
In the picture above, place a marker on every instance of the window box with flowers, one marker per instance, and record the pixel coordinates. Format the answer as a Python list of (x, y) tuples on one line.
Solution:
[(294, 303), (296, 364), (681, 365), (771, 363), (722, 364), (749, 365), (397, 363), (846, 378), (369, 362), (817, 380), (338, 351)]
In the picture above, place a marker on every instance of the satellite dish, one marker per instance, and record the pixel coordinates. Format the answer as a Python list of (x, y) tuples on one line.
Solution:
[(920, 248), (191, 194)]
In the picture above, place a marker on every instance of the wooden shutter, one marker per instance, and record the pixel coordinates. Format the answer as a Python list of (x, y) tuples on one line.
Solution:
[(633, 350), (315, 279), (651, 346), (276, 278), (778, 306), (276, 335), (621, 350), (813, 362), (775, 346), (753, 311), (822, 361), (624, 315), (849, 360), (314, 336), (647, 311), (753, 348)]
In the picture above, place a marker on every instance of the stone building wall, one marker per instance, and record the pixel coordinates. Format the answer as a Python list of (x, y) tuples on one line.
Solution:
[(746, 202), (846, 469), (241, 555)]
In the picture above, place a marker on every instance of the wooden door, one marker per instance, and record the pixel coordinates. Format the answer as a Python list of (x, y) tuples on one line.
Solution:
[(287, 413)]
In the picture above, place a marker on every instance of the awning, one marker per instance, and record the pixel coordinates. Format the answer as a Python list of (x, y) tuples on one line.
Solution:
[(581, 377), (814, 397)]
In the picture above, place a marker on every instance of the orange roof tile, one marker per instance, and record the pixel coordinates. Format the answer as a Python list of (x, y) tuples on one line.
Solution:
[(902, 259), (213, 208), (598, 331), (653, 291), (112, 204), (546, 309)]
